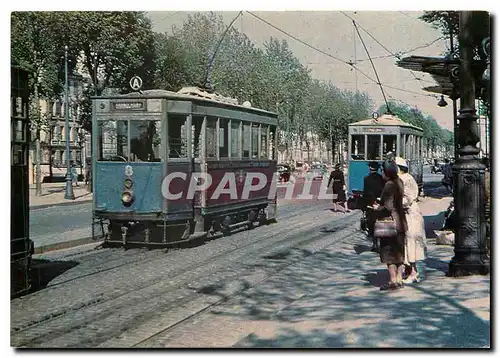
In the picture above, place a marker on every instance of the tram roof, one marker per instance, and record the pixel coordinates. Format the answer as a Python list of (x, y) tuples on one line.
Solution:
[(385, 120), (215, 99)]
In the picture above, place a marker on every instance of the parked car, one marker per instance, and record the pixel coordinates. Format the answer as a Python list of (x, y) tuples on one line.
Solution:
[(284, 172), (318, 171)]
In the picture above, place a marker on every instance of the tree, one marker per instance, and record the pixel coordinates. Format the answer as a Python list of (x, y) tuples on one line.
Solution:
[(111, 47), (36, 47)]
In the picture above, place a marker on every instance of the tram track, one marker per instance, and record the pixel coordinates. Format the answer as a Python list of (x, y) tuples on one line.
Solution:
[(234, 289), (104, 309), (263, 235), (130, 313), (155, 253)]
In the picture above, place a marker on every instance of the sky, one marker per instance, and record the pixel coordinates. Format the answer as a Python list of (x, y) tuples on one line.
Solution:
[(387, 33)]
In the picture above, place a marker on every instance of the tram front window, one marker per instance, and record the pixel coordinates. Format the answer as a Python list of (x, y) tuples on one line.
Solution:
[(374, 147), (145, 141), (113, 141), (358, 147), (389, 145)]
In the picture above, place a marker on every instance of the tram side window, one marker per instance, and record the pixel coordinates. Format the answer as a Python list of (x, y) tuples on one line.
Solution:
[(177, 136), (358, 147), (235, 138), (409, 147), (264, 144), (389, 144), (223, 138), (374, 143), (210, 136), (272, 144), (113, 141), (197, 124), (402, 145), (255, 141), (246, 140), (145, 141)]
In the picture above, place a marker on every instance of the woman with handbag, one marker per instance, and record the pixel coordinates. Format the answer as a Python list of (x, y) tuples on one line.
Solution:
[(390, 226), (415, 236)]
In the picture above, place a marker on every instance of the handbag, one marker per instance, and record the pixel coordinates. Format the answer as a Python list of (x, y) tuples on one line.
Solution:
[(385, 228)]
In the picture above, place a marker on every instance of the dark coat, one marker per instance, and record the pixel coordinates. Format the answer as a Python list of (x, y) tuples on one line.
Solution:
[(372, 188), (337, 178), (392, 249), (392, 204)]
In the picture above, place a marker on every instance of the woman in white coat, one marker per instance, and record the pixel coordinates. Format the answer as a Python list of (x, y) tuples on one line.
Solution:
[(415, 242)]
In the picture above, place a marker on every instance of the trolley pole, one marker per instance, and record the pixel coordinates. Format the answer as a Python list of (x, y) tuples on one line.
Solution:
[(469, 190), (69, 195)]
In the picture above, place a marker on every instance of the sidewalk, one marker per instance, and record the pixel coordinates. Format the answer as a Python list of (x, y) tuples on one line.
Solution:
[(331, 299), (53, 194)]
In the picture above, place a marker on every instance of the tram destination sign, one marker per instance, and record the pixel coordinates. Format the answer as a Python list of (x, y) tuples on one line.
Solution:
[(129, 106)]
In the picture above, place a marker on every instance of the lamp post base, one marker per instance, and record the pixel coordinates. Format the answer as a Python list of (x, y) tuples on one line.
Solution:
[(69, 194), (469, 264)]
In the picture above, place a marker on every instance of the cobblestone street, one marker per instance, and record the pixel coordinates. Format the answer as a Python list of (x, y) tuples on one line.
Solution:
[(308, 281)]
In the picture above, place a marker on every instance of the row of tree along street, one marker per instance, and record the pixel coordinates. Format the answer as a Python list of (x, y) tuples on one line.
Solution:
[(111, 47)]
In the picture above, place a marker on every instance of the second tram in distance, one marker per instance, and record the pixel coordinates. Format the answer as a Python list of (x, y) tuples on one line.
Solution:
[(373, 140)]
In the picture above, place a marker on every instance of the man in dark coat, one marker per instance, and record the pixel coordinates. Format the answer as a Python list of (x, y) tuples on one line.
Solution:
[(372, 188)]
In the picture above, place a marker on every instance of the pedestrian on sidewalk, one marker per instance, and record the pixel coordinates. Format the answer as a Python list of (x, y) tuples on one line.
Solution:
[(74, 174), (373, 184), (391, 206), (447, 180), (338, 185), (415, 236)]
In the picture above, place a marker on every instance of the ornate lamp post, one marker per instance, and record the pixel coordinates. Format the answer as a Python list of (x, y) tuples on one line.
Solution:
[(469, 191), (69, 194)]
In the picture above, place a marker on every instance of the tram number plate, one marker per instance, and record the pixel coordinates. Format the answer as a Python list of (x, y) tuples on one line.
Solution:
[(137, 106)]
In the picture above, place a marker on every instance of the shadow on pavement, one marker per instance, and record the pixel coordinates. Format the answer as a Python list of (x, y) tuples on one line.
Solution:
[(333, 300), (44, 271), (435, 190), (433, 222)]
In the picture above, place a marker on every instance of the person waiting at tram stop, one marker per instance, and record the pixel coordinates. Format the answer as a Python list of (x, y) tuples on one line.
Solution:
[(373, 184), (338, 185), (391, 209), (415, 238)]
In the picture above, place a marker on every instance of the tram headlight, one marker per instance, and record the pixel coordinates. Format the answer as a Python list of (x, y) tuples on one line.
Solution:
[(128, 183), (127, 198)]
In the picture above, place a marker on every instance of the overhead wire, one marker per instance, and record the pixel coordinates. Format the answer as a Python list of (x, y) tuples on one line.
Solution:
[(374, 69), (382, 45), (349, 63)]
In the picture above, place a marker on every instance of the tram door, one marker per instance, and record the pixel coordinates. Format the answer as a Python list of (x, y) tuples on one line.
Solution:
[(19, 220)]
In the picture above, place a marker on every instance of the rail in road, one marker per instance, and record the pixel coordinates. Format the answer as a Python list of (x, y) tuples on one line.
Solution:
[(116, 298)]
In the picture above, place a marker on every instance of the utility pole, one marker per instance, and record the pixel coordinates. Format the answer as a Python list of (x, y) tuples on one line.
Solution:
[(69, 195), (469, 174)]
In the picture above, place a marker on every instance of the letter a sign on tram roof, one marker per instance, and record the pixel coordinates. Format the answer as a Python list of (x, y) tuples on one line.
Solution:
[(135, 83)]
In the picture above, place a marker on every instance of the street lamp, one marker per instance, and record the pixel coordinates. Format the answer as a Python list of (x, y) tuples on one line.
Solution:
[(69, 195), (469, 174)]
